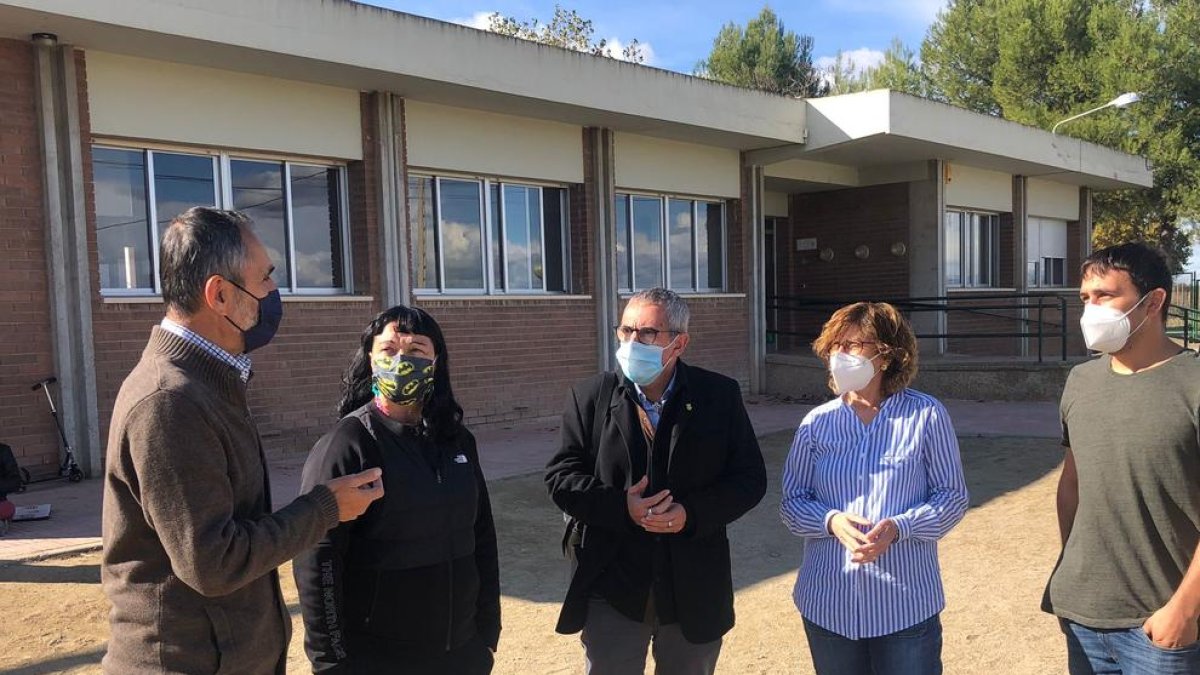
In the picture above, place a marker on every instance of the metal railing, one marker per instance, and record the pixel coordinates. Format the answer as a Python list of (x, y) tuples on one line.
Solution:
[(1183, 323), (1029, 318)]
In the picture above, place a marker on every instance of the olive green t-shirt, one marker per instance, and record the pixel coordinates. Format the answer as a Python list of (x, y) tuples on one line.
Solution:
[(1136, 444)]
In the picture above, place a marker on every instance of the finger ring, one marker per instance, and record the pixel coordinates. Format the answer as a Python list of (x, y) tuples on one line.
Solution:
[(650, 511), (670, 524)]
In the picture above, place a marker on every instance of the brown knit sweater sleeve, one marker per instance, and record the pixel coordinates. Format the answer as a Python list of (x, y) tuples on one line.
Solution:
[(182, 481)]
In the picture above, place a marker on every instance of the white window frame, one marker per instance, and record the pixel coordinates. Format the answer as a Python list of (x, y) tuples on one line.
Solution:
[(486, 224), (966, 256), (665, 224), (223, 199)]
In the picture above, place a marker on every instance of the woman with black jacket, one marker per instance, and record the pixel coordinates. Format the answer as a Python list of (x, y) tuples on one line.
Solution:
[(413, 586)]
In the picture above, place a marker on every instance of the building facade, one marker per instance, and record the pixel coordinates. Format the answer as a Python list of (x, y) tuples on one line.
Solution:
[(515, 191)]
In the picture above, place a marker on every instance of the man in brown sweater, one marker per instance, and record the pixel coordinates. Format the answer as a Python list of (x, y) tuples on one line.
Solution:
[(191, 544)]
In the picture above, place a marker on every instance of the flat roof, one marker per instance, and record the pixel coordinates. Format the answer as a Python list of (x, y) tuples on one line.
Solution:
[(357, 46)]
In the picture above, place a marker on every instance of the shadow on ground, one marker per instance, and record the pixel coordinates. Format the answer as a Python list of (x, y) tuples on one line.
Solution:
[(530, 528), (26, 573)]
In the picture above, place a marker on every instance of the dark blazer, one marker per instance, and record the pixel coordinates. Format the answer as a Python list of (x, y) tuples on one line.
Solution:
[(716, 472)]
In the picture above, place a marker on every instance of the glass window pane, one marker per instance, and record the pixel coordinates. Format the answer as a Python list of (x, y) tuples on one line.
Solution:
[(710, 234), (516, 238), (554, 233), (647, 242), (462, 234), (497, 236), (533, 199), (954, 275), (181, 182), (983, 244), (423, 231), (258, 193), (317, 226), (122, 225), (621, 239), (679, 211)]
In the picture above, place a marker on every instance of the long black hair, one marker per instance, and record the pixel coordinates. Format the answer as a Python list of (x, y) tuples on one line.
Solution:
[(441, 413)]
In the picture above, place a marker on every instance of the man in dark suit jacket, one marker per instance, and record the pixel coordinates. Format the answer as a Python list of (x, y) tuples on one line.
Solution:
[(655, 463)]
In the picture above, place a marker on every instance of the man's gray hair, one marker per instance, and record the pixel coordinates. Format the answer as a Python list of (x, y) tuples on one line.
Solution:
[(199, 243), (677, 310)]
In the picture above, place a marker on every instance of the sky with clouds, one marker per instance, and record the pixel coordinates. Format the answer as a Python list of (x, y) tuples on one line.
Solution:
[(677, 35)]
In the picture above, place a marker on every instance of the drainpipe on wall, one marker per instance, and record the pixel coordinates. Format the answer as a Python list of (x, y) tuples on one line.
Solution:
[(1020, 208), (67, 265)]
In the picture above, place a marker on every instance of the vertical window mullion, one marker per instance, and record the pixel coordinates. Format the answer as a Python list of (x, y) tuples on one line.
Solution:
[(437, 224), (664, 207), (696, 244), (504, 237), (489, 273), (289, 225), (629, 215), (541, 237), (152, 216), (347, 261)]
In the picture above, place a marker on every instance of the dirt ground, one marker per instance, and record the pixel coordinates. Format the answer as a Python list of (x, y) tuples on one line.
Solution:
[(994, 563)]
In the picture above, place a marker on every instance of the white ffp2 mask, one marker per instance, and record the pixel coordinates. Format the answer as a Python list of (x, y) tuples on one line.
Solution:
[(1106, 329), (850, 372)]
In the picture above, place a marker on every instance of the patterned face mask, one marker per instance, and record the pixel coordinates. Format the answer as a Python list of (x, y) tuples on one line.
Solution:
[(402, 379)]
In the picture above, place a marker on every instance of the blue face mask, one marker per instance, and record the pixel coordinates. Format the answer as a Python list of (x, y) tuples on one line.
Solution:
[(270, 313), (641, 363)]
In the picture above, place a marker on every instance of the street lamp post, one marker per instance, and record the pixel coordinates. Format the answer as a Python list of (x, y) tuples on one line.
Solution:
[(1123, 101)]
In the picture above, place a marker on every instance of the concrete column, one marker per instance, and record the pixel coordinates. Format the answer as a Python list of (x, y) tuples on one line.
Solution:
[(1020, 219), (601, 190), (395, 277), (67, 264), (926, 253), (755, 236)]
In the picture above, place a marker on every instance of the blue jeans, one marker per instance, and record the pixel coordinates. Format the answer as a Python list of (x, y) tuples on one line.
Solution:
[(916, 650), (1124, 651)]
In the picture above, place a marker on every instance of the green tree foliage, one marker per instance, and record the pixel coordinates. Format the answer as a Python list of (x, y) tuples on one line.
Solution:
[(899, 70), (764, 55), (1039, 61), (565, 29)]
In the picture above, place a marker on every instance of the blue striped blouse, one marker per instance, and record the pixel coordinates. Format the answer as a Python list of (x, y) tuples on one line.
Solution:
[(904, 465)]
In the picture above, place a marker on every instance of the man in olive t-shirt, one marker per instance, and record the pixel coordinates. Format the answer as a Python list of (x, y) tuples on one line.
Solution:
[(1125, 588)]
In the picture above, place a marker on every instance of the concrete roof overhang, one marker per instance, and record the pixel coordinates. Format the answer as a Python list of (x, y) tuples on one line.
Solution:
[(351, 45), (871, 137)]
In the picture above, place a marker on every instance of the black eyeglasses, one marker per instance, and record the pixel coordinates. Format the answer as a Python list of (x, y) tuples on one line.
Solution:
[(646, 336)]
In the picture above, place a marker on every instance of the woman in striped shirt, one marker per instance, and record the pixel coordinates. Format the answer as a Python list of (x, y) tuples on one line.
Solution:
[(872, 481)]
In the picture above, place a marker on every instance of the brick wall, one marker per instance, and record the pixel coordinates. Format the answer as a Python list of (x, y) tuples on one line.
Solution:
[(515, 359), (719, 330), (25, 335), (841, 220)]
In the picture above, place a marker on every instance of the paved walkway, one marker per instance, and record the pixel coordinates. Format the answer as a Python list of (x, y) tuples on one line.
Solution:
[(508, 450)]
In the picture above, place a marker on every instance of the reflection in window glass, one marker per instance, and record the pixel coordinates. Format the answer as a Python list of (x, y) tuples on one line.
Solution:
[(647, 242), (621, 238), (258, 193), (517, 240), (122, 228), (462, 229), (316, 226), (953, 249), (710, 232), (181, 182), (423, 231), (679, 242)]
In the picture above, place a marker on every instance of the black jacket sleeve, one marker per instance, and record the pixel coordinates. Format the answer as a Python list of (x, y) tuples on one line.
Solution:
[(743, 482), (10, 473), (487, 558), (571, 473), (319, 570)]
